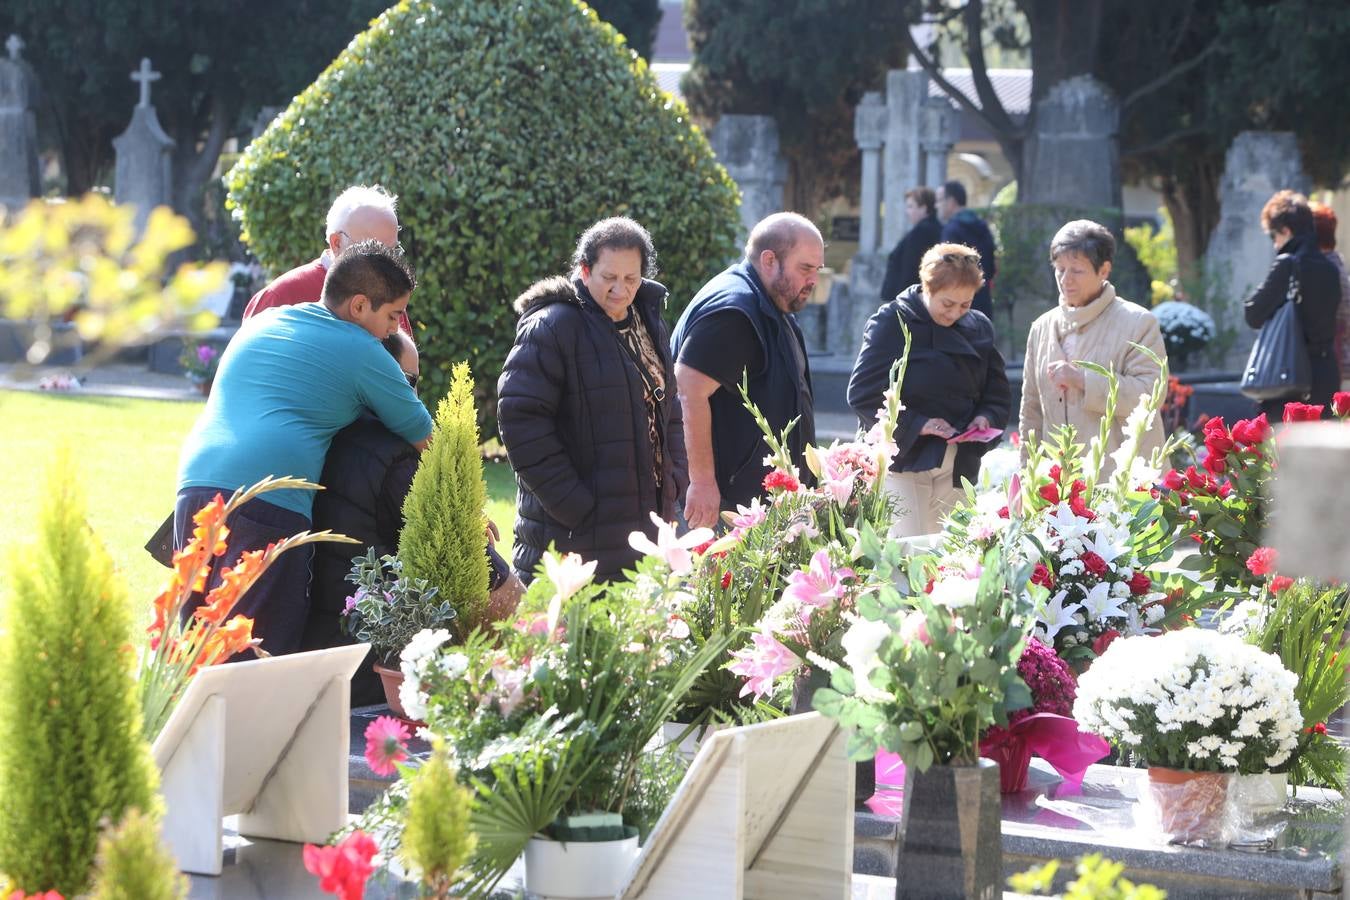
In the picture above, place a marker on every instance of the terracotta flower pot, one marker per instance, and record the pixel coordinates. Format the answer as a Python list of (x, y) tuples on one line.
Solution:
[(1188, 806), (391, 680)]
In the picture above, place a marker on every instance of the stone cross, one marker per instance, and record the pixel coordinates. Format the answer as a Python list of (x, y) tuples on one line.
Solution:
[(19, 177), (145, 76), (869, 130), (15, 46)]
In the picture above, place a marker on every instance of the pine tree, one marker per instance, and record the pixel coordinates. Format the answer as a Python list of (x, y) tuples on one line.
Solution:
[(72, 754), (437, 837), (133, 863), (444, 527)]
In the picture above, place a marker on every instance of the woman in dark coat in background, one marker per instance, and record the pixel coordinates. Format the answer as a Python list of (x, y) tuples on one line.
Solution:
[(587, 409), (1288, 221), (955, 381), (902, 266)]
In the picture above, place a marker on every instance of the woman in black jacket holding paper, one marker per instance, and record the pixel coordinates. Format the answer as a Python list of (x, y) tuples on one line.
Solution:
[(955, 383), (1288, 221)]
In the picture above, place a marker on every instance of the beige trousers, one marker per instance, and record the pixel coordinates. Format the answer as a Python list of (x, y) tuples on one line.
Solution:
[(922, 498)]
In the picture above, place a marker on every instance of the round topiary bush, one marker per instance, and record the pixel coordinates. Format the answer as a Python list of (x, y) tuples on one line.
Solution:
[(506, 129)]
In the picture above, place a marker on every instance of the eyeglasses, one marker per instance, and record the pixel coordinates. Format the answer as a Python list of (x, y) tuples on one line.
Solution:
[(412, 379), (398, 246)]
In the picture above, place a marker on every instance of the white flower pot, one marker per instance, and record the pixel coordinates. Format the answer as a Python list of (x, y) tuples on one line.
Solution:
[(1255, 796), (578, 870)]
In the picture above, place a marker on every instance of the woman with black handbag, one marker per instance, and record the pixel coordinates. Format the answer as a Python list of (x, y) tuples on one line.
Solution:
[(1301, 274)]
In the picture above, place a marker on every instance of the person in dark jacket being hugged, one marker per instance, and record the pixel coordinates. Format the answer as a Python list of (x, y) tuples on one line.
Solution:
[(587, 408), (955, 382), (1288, 221)]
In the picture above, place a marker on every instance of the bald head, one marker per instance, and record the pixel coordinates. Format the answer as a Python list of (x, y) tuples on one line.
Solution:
[(402, 348), (787, 251), (362, 213)]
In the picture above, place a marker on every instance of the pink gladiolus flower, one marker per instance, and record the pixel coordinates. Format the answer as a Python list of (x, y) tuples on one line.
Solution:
[(674, 551), (762, 663), (385, 744), (820, 585)]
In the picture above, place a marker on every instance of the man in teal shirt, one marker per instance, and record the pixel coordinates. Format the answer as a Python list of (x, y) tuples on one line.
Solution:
[(290, 380)]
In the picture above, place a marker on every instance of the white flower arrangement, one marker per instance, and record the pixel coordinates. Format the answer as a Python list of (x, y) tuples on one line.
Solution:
[(1185, 327), (1193, 699)]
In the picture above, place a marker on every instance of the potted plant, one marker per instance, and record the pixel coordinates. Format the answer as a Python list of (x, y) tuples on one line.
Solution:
[(926, 673), (1195, 706), (1186, 329), (386, 610), (199, 361), (548, 718)]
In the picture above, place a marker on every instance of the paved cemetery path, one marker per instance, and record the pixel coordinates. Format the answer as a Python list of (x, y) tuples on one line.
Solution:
[(109, 380)]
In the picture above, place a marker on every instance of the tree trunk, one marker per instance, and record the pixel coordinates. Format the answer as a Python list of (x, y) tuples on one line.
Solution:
[(195, 159), (1192, 200)]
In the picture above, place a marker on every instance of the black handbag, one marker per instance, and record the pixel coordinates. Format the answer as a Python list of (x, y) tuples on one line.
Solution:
[(1279, 365)]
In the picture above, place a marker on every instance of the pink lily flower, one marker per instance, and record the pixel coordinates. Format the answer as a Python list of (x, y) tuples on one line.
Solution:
[(674, 551), (762, 664), (820, 585)]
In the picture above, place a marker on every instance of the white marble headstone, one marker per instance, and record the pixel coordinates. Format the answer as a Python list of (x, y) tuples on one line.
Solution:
[(266, 739)]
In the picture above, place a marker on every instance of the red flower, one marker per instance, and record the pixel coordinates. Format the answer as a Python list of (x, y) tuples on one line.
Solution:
[(1041, 575), (1217, 439), (1173, 480), (1262, 561), (1055, 473), (1140, 584), (1003, 512), (1080, 508), (780, 480), (1252, 432), (702, 548), (1049, 492), (1104, 640), (1215, 463), (1340, 404), (1094, 563), (343, 870), (1077, 487), (1225, 489), (1320, 727), (1197, 480), (726, 579), (1279, 583), (1303, 412)]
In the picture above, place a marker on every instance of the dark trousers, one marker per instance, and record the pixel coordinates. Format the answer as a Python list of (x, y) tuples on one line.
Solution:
[(278, 602)]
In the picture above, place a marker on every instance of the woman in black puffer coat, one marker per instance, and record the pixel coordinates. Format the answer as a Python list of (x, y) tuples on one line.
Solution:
[(587, 408)]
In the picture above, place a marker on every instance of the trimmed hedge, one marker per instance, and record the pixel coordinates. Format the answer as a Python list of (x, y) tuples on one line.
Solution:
[(506, 129)]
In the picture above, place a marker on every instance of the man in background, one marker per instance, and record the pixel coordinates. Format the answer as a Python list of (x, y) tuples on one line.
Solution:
[(961, 226)]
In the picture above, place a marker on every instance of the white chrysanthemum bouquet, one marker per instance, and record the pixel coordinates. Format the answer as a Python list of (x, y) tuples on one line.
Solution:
[(1193, 699)]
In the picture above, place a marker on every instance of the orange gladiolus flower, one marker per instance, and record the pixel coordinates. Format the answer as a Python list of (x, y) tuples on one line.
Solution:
[(234, 581), (233, 637)]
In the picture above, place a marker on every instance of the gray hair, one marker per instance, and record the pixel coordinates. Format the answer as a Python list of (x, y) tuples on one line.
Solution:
[(778, 234), (359, 196), (1086, 238), (615, 233)]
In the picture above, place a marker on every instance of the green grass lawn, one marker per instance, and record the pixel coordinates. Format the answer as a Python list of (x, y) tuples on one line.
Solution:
[(126, 455)]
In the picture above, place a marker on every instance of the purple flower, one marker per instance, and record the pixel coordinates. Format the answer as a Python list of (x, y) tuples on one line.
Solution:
[(206, 354), (353, 600)]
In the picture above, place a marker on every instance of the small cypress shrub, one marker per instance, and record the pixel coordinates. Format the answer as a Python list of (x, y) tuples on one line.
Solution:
[(72, 755), (437, 838), (444, 527), (133, 864)]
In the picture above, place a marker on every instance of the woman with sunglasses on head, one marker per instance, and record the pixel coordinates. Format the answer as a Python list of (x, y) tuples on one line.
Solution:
[(1090, 323), (955, 392), (1301, 273)]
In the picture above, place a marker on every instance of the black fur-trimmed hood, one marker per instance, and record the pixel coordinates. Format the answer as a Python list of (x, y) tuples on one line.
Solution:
[(560, 289)]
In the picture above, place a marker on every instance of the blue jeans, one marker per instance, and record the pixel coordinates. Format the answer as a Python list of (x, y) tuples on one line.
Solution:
[(278, 602)]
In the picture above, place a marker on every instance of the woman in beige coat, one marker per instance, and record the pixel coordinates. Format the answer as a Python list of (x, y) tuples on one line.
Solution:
[(1090, 324)]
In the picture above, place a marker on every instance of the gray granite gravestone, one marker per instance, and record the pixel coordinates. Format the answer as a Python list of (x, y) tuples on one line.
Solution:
[(747, 147), (1073, 155), (144, 164), (1258, 164), (18, 129)]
